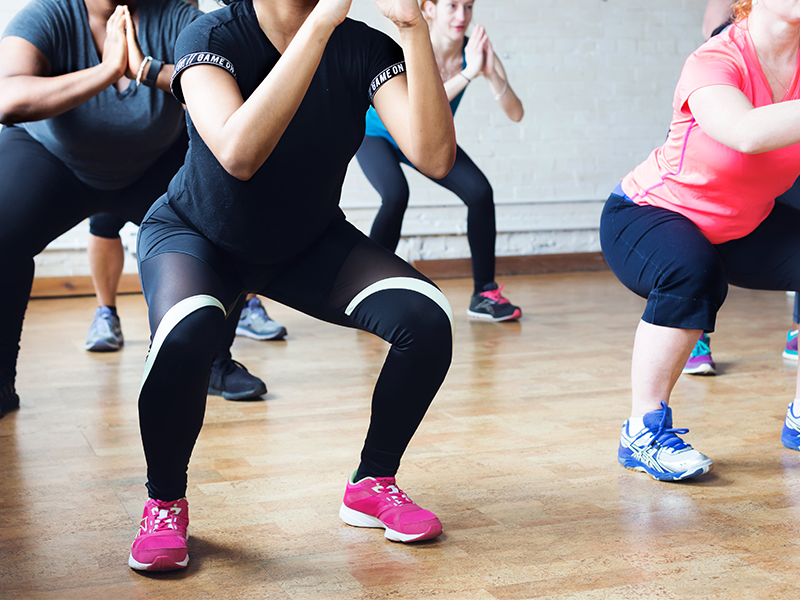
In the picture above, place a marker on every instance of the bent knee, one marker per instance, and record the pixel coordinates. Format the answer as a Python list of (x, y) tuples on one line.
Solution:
[(404, 310)]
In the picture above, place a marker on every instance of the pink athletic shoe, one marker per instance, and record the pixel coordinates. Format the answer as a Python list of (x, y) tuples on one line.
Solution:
[(378, 502), (161, 543)]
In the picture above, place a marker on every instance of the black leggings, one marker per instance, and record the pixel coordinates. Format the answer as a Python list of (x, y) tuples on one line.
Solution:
[(343, 278), (41, 199), (380, 162)]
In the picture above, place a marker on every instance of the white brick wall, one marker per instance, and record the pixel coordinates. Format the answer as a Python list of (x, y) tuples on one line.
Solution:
[(596, 78)]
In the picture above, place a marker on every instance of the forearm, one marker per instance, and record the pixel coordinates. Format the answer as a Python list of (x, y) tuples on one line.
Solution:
[(505, 96), (767, 128), (727, 116), (26, 98), (431, 133), (252, 131), (455, 85)]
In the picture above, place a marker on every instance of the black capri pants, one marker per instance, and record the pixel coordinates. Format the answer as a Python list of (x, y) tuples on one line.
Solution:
[(40, 199), (344, 278), (663, 257)]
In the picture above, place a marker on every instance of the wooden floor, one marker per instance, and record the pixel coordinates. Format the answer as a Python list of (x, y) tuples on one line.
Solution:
[(517, 456)]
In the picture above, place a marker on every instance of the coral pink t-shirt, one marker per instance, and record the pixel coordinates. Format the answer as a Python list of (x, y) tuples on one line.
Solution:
[(726, 193)]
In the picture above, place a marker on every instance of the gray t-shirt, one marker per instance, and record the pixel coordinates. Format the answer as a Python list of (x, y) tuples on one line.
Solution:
[(110, 140)]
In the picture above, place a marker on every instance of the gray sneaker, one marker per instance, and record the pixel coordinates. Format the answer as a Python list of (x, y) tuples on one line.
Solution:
[(254, 322), (105, 332)]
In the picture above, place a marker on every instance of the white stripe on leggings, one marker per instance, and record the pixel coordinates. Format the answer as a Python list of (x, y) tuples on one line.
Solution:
[(405, 283), (175, 315)]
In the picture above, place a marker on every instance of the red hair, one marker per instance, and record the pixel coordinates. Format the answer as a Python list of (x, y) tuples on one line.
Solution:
[(741, 9)]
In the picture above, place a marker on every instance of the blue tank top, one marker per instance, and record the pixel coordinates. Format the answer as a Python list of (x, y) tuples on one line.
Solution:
[(375, 126)]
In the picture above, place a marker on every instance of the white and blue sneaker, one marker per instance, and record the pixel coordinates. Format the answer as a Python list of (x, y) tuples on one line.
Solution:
[(790, 436), (254, 322), (656, 449)]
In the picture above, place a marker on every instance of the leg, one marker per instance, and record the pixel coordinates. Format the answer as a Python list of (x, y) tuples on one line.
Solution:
[(661, 256), (380, 163), (769, 257), (106, 259), (188, 288), (792, 198), (350, 280), (106, 256), (467, 181), (229, 378), (657, 364), (41, 199)]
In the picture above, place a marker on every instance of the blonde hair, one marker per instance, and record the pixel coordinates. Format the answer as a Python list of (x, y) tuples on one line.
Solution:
[(741, 9)]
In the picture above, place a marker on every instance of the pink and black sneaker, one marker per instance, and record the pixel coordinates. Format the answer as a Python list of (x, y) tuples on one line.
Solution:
[(378, 502), (161, 543), (491, 305)]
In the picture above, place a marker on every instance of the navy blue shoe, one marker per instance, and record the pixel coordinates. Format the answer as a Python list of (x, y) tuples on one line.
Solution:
[(232, 381)]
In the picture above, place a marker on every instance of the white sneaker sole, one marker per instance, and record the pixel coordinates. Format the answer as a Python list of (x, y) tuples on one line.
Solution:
[(704, 369), (278, 335), (161, 565), (484, 317), (359, 519)]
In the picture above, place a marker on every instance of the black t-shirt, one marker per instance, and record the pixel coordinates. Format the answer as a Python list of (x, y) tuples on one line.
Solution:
[(295, 194)]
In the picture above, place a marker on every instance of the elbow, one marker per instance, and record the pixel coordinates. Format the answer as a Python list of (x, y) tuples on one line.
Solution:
[(242, 173), (8, 116), (237, 166), (439, 166), (750, 146)]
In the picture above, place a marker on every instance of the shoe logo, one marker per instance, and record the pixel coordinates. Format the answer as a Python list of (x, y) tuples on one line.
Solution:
[(648, 458)]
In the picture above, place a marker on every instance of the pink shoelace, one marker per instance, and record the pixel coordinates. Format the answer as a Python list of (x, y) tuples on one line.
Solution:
[(495, 295)]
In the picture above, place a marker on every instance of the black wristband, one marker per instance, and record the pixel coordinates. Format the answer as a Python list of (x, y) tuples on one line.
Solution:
[(152, 72)]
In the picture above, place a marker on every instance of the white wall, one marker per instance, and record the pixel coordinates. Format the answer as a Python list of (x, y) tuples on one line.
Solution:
[(596, 78)]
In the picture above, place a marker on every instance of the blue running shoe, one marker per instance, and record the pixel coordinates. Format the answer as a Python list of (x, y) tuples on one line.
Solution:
[(254, 322), (790, 352), (790, 436), (657, 449), (105, 332)]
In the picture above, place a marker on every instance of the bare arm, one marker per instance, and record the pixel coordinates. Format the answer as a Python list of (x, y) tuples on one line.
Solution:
[(242, 134), (28, 93), (498, 82), (415, 108), (501, 89), (474, 58), (726, 115)]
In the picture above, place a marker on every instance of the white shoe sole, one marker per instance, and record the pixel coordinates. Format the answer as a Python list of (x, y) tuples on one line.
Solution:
[(484, 317), (278, 335), (134, 564), (359, 519), (704, 369)]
